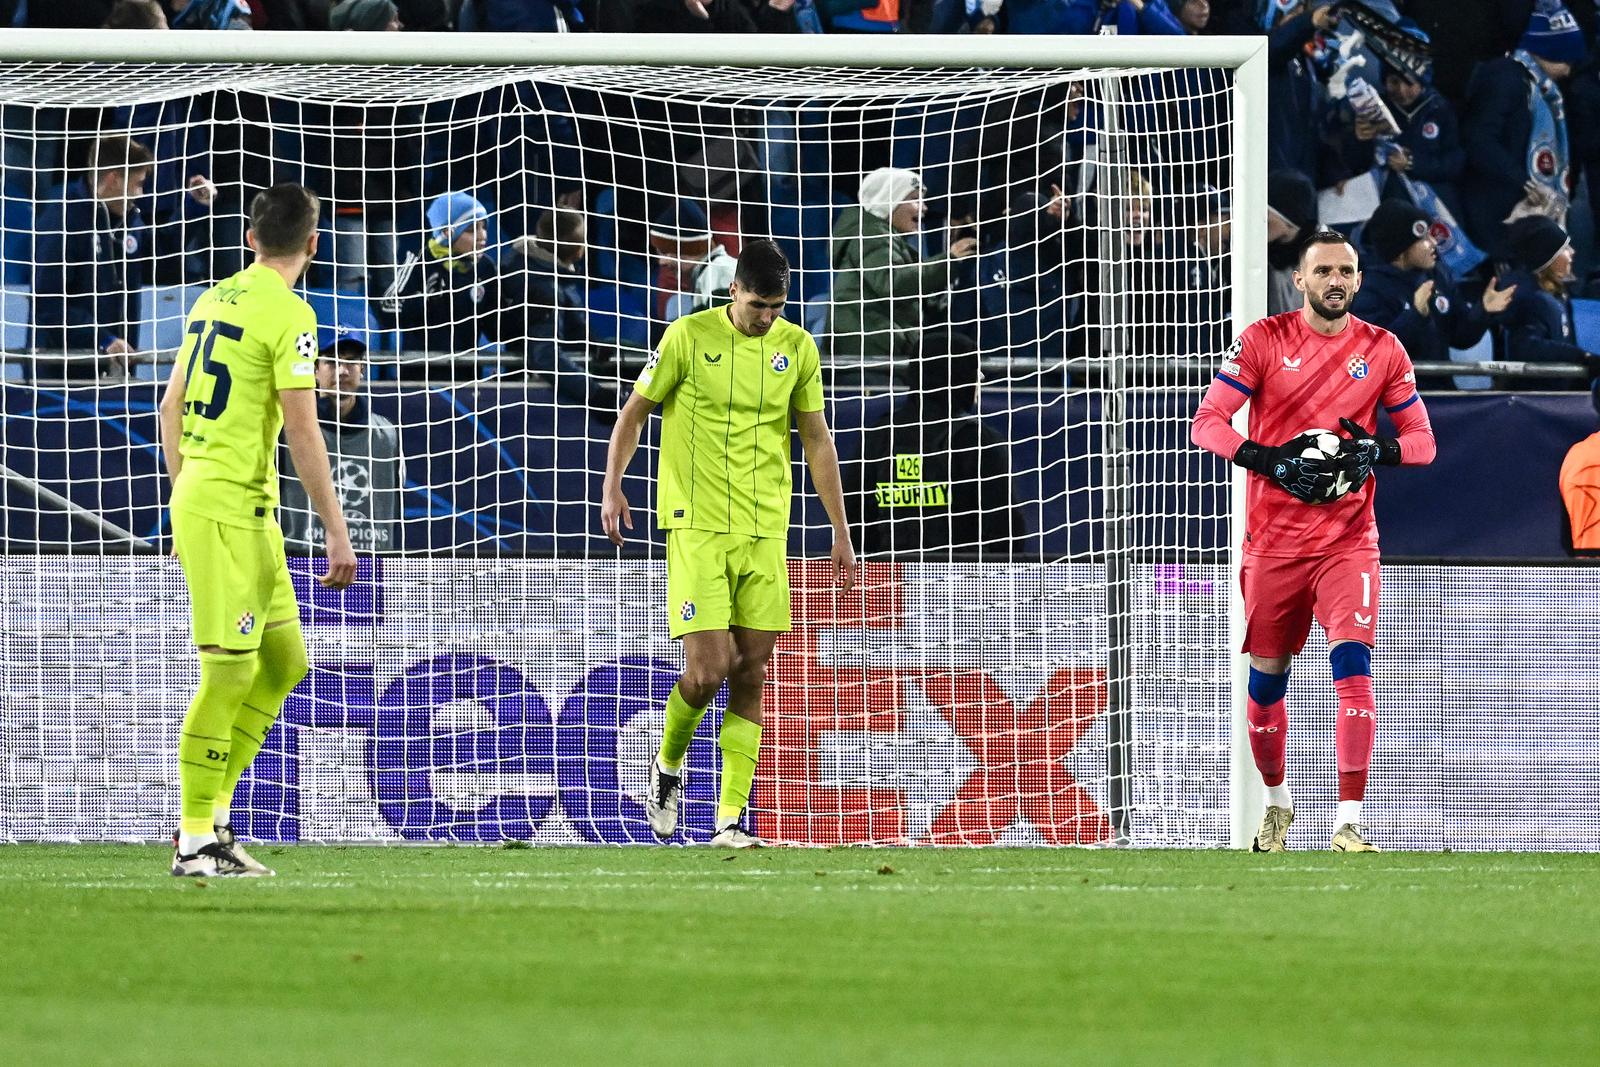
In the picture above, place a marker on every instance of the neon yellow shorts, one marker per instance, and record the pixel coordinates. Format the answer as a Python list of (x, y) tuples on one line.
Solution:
[(718, 580), (238, 580)]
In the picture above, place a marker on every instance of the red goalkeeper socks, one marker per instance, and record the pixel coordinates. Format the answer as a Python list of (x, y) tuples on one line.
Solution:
[(1269, 724), (1353, 734)]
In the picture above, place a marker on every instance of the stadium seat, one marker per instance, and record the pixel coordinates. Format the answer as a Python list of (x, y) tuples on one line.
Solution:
[(16, 240), (1484, 349), (1586, 323), (14, 315), (162, 311)]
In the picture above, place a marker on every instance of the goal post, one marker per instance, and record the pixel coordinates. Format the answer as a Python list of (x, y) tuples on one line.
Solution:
[(498, 670)]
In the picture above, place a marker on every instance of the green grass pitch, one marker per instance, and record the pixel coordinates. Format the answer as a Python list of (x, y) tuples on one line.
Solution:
[(688, 956)]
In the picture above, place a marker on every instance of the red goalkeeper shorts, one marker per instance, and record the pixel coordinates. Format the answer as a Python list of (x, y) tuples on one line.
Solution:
[(1282, 594)]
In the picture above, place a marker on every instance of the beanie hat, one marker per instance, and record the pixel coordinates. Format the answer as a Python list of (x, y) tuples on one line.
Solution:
[(1553, 34), (362, 15), (1534, 241), (452, 213), (1394, 227), (1292, 195), (681, 228), (886, 189)]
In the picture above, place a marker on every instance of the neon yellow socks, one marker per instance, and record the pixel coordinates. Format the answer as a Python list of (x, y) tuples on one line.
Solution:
[(679, 731), (282, 664), (740, 742), (204, 744)]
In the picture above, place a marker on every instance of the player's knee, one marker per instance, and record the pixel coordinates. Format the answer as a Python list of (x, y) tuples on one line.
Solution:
[(284, 663), (1350, 658), (747, 672), (700, 681), (1266, 689)]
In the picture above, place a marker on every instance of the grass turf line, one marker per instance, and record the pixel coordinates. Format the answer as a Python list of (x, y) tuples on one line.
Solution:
[(458, 955)]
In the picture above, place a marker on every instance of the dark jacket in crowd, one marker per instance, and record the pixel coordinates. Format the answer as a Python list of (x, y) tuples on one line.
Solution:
[(1430, 133), (541, 316), (443, 303), (1538, 329), (1295, 99), (1496, 141), (88, 267), (1385, 300), (1199, 314), (1025, 302)]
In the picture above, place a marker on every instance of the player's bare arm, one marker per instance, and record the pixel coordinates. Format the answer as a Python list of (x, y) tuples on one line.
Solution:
[(614, 513), (310, 455), (172, 421), (823, 459)]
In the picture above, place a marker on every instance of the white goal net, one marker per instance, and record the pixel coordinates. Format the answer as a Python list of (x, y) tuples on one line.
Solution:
[(1020, 281)]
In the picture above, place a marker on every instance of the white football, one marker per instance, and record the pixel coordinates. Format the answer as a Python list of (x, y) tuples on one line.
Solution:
[(1325, 443)]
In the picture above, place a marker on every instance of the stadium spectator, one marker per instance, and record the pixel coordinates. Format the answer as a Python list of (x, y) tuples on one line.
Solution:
[(366, 16), (883, 292), (1291, 215), (1296, 97), (136, 15), (92, 255), (363, 449), (693, 267), (1580, 490), (543, 311), (427, 16), (209, 15), (442, 290), (932, 479), (1539, 323), (1427, 148), (375, 151), (692, 16), (1200, 278), (1408, 291), (1516, 141), (1025, 299)]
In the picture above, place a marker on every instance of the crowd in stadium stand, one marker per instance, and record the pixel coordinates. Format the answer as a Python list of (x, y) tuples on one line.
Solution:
[(1453, 140)]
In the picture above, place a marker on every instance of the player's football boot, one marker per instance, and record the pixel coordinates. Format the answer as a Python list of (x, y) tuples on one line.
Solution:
[(214, 860), (734, 835), (1274, 833), (663, 797), (1352, 838), (229, 840)]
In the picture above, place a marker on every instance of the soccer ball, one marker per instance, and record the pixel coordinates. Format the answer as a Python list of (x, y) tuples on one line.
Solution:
[(1325, 443), (306, 345)]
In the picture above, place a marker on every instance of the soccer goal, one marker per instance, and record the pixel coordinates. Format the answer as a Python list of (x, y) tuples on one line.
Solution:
[(1042, 648)]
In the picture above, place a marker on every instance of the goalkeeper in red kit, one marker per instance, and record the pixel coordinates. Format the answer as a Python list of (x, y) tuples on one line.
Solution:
[(1318, 367)]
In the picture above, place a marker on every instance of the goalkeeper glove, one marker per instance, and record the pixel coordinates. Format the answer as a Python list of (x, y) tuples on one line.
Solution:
[(1364, 451), (1306, 478)]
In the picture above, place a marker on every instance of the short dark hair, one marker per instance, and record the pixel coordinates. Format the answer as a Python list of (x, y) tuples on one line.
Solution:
[(135, 15), (763, 269), (1323, 237), (119, 153), (283, 217), (559, 225)]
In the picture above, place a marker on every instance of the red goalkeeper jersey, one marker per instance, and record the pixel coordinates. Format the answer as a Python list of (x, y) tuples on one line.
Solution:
[(1297, 379)]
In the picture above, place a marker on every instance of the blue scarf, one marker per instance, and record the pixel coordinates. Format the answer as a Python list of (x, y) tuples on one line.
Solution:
[(1548, 158), (1455, 248)]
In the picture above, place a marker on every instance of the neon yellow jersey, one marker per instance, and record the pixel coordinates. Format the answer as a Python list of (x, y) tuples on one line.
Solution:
[(726, 400), (247, 338)]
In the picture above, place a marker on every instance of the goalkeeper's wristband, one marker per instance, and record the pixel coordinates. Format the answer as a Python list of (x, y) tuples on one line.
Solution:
[(1384, 451), (1253, 456)]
